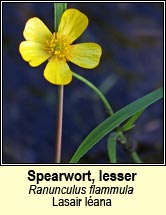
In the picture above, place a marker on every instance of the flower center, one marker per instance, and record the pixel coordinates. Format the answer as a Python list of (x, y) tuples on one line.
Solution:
[(58, 46)]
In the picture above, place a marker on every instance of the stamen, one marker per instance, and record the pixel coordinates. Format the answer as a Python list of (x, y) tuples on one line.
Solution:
[(58, 46)]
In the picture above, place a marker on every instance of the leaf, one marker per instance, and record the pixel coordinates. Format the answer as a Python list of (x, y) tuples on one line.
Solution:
[(59, 8), (130, 123), (111, 146), (115, 120)]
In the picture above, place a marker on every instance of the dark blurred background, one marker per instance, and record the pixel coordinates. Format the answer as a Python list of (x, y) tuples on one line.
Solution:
[(131, 36)]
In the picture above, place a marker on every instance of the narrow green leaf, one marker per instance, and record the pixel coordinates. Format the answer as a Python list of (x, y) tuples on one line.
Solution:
[(130, 123), (111, 147), (127, 128), (115, 120), (59, 8)]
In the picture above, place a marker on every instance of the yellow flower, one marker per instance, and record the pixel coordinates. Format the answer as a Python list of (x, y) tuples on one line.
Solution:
[(57, 47)]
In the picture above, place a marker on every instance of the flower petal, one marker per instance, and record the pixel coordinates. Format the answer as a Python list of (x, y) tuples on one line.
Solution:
[(73, 23), (33, 53), (58, 72), (86, 55), (35, 30)]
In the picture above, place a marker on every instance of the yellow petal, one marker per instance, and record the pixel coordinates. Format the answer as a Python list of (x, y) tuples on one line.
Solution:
[(86, 55), (33, 53), (58, 72), (35, 30), (73, 23)]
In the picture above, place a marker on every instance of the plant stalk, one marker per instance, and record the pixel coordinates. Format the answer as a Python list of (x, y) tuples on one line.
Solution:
[(108, 107), (59, 8), (59, 125), (97, 91), (135, 157)]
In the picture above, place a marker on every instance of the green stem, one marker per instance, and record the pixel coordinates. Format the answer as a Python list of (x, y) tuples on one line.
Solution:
[(59, 125), (59, 8), (97, 91), (133, 154), (135, 157)]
